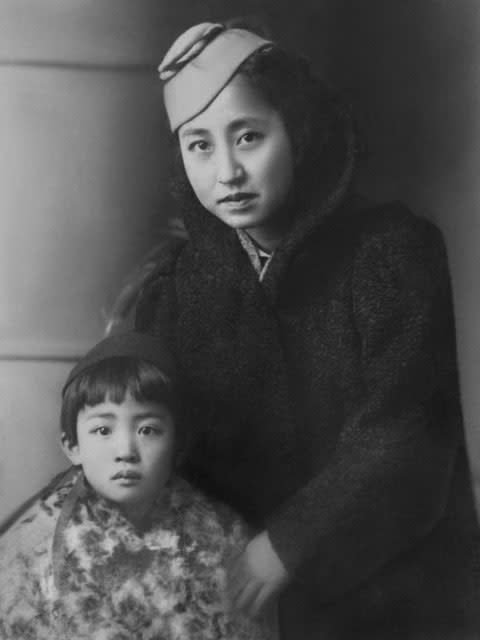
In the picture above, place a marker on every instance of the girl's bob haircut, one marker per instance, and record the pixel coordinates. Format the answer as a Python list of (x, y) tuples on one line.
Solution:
[(112, 380)]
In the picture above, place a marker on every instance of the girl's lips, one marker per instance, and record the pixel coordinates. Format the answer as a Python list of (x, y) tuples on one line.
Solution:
[(127, 479), (126, 475)]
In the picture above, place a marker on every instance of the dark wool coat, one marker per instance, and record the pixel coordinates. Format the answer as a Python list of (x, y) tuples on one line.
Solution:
[(327, 399)]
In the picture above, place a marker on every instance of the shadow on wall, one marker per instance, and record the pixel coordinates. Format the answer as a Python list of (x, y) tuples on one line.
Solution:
[(83, 170), (412, 67)]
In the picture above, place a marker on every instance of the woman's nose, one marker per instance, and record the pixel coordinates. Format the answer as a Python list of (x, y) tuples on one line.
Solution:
[(126, 447), (229, 168)]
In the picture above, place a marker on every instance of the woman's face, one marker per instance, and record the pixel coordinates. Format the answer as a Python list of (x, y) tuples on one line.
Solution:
[(238, 158)]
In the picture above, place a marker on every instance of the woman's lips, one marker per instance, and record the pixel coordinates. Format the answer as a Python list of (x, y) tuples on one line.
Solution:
[(238, 200)]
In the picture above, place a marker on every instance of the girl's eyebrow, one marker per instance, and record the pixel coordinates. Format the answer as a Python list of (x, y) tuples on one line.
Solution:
[(150, 414), (142, 415), (100, 414)]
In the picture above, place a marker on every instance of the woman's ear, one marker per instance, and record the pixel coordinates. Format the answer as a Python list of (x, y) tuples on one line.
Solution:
[(72, 451)]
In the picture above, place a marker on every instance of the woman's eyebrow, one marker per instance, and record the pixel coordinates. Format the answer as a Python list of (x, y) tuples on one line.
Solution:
[(192, 131), (100, 414), (234, 125), (246, 121)]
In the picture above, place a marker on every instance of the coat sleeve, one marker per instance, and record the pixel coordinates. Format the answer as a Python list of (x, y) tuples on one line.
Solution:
[(388, 481), (156, 303)]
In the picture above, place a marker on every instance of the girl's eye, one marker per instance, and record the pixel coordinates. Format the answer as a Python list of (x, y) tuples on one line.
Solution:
[(149, 430), (102, 430)]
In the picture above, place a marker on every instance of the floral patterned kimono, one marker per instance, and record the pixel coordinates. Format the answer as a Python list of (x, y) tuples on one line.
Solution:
[(72, 566)]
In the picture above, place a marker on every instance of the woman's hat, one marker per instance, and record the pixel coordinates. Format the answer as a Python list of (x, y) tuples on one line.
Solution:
[(127, 345), (199, 64)]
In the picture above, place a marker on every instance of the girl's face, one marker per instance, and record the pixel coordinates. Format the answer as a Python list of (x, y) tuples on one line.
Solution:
[(126, 451), (238, 158)]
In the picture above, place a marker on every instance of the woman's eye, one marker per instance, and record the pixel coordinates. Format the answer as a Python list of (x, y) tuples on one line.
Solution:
[(199, 146), (249, 137)]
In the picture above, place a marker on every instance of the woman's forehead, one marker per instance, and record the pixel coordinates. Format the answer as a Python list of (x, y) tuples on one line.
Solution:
[(238, 101)]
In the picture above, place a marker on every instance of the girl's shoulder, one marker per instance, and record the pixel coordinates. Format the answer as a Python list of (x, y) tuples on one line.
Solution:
[(32, 525), (37, 517), (26, 554)]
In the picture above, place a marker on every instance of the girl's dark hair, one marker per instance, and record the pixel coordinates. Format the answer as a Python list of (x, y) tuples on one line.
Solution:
[(113, 378), (315, 116)]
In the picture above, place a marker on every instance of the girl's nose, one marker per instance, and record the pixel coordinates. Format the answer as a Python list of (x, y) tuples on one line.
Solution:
[(126, 447), (229, 168)]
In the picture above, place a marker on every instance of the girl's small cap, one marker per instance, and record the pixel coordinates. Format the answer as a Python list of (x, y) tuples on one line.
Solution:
[(198, 66), (131, 345)]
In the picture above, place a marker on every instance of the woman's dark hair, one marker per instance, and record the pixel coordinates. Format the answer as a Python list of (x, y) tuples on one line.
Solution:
[(320, 126), (113, 378), (316, 118)]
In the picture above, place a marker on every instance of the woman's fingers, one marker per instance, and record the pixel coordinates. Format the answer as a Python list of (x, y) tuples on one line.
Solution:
[(255, 575), (261, 599), (237, 578), (245, 597)]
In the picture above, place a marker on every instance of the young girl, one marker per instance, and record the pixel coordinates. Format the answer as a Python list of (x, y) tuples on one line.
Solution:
[(121, 548), (315, 337)]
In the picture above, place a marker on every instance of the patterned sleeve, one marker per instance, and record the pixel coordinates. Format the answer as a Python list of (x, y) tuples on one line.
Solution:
[(24, 576), (25, 566)]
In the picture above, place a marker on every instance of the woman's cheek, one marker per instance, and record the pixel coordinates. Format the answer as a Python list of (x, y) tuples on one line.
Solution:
[(198, 177), (203, 187)]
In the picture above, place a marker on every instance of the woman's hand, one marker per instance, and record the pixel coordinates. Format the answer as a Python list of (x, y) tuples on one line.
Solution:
[(256, 576)]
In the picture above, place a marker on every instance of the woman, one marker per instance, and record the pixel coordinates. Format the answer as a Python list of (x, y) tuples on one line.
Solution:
[(315, 336)]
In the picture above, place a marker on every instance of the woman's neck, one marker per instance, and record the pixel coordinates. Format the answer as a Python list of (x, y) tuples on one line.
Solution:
[(269, 236)]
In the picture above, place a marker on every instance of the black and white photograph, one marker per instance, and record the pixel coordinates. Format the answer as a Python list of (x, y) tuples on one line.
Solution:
[(239, 320)]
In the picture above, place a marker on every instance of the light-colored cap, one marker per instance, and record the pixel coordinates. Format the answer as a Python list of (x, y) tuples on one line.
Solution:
[(198, 66)]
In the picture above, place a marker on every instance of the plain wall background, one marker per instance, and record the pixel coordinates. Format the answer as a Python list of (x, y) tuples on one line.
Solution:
[(83, 168)]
